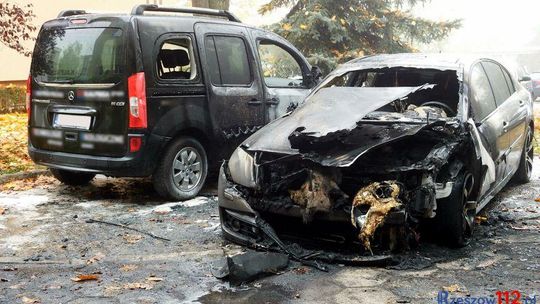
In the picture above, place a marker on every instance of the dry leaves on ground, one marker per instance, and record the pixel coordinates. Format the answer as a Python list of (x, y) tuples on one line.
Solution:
[(95, 258), (85, 277), (452, 288), (132, 238), (28, 300), (13, 147), (41, 181), (133, 286), (2, 211), (128, 267), (154, 279)]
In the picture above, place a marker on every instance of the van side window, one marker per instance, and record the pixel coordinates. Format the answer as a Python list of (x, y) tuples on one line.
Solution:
[(483, 102), (497, 81), (279, 67), (174, 60), (227, 61)]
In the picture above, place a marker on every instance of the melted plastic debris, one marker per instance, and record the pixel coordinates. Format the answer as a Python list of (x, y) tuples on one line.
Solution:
[(315, 194), (381, 198)]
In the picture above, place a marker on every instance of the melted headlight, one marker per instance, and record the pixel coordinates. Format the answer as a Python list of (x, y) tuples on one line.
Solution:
[(242, 168)]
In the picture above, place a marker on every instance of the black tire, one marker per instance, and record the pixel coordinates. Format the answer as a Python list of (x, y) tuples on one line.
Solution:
[(182, 171), (72, 178), (454, 221), (523, 173)]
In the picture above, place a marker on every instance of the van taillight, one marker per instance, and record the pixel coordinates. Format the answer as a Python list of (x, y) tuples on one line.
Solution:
[(29, 97), (137, 101)]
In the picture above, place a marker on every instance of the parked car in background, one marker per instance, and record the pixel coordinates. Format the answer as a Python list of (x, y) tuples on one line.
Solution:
[(535, 85), (384, 145), (155, 94)]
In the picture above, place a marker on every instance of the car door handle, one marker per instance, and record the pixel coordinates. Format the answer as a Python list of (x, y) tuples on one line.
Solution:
[(505, 125), (272, 101), (521, 103), (254, 102)]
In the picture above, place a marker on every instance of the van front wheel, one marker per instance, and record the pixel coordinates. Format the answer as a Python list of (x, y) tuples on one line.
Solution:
[(182, 171), (72, 178)]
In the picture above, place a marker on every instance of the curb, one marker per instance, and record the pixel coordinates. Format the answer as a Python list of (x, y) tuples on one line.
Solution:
[(22, 175)]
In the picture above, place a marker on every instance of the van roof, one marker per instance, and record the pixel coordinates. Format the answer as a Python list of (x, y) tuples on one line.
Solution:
[(140, 10)]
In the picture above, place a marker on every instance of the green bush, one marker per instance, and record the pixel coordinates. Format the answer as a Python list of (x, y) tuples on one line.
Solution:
[(12, 99)]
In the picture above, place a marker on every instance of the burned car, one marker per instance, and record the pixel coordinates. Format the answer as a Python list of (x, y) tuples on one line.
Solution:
[(385, 146)]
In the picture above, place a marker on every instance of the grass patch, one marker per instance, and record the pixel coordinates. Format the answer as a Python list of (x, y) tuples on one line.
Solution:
[(13, 144)]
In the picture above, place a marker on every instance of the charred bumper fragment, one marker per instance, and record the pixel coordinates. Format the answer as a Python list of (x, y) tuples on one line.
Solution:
[(369, 169)]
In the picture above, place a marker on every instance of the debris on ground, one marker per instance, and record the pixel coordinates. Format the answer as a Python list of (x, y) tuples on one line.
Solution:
[(28, 300), (246, 267), (86, 277), (138, 285), (453, 288), (381, 198), (132, 238), (315, 194), (127, 227), (128, 267), (95, 258)]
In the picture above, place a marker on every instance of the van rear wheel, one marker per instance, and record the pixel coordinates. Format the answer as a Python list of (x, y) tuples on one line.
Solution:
[(182, 171), (72, 178)]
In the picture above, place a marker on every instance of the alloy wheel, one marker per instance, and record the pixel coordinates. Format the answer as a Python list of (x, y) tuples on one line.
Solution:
[(529, 153), (187, 169)]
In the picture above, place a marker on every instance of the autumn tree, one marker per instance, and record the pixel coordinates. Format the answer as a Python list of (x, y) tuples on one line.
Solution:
[(16, 26), (331, 32)]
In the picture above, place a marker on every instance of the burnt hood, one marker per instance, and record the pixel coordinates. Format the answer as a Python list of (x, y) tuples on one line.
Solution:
[(328, 128)]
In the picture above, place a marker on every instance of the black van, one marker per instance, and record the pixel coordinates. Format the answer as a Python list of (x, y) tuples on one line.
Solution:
[(155, 92)]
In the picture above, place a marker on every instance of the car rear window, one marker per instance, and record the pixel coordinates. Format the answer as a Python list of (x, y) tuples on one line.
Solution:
[(81, 55)]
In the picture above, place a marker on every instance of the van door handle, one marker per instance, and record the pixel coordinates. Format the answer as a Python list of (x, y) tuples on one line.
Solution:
[(505, 125), (274, 101), (521, 103), (254, 102)]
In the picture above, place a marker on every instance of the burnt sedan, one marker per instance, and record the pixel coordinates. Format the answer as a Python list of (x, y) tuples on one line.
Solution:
[(384, 146)]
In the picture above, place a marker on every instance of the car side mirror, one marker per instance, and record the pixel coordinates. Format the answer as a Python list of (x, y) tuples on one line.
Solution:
[(525, 78), (316, 74)]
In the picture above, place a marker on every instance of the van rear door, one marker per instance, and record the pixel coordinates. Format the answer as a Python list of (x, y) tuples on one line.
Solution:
[(79, 91)]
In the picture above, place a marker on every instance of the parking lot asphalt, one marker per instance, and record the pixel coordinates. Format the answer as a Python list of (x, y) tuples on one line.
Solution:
[(58, 244)]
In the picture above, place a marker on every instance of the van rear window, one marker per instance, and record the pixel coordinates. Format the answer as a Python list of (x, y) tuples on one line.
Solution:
[(81, 55)]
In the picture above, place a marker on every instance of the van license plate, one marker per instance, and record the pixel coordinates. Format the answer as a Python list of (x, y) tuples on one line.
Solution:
[(72, 121)]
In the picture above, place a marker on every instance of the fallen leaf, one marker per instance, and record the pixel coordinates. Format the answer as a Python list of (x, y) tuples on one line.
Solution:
[(154, 279), (112, 290), (537, 199), (2, 211), (301, 270), (95, 258), (452, 288), (132, 238), (28, 300), (128, 267), (133, 286), (480, 219), (85, 277)]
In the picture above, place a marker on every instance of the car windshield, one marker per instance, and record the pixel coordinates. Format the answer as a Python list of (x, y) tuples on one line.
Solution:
[(82, 55), (444, 91)]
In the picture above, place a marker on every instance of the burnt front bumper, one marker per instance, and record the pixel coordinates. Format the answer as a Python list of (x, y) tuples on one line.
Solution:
[(238, 219)]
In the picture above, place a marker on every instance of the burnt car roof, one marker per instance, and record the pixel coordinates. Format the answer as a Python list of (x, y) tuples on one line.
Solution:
[(419, 60)]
